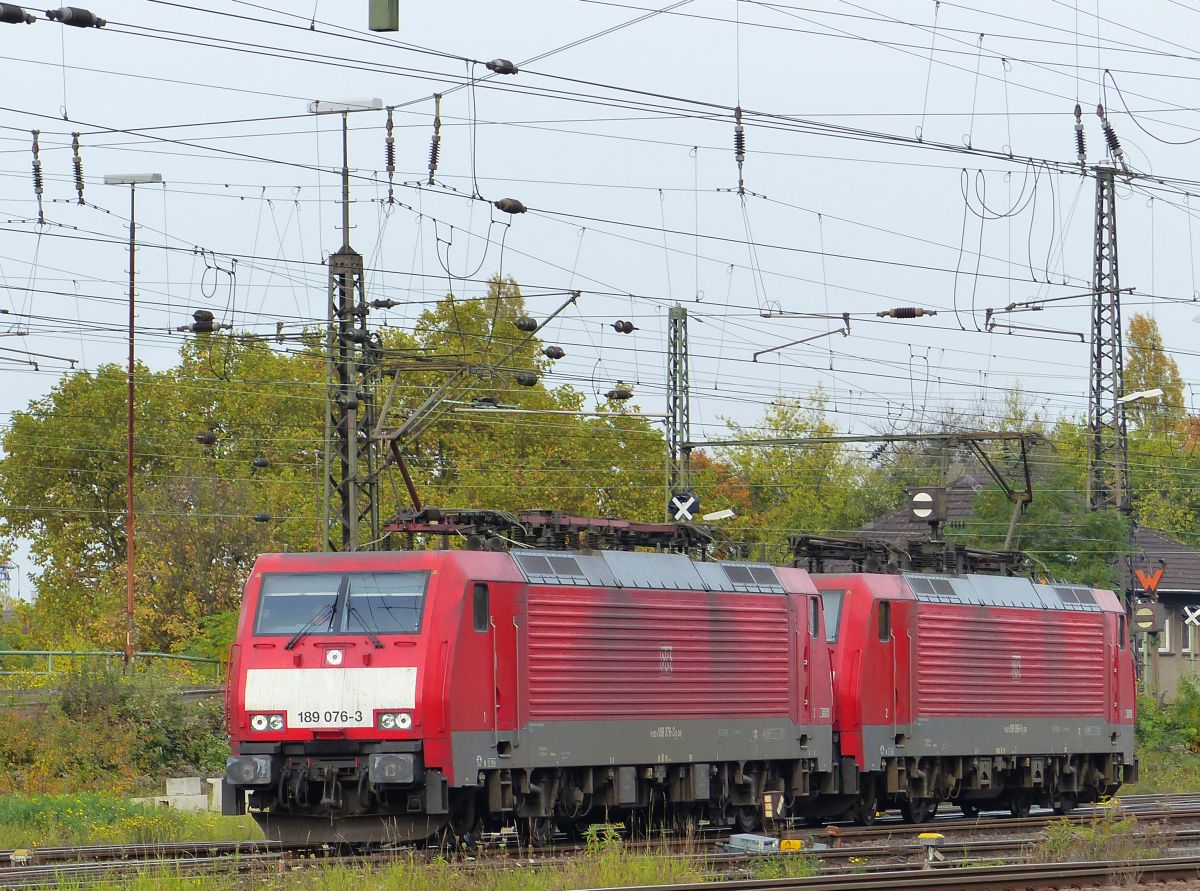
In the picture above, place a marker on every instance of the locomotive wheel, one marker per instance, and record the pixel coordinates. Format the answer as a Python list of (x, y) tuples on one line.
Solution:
[(1019, 806), (745, 819), (864, 816), (863, 813), (918, 810), (685, 821), (537, 832), (637, 822), (1066, 803), (463, 819)]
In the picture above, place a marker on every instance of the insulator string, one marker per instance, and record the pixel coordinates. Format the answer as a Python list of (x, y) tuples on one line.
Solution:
[(77, 164), (389, 151), (435, 144), (739, 147), (38, 179)]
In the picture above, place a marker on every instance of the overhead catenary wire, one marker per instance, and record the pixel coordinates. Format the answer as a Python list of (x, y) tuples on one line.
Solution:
[(822, 255)]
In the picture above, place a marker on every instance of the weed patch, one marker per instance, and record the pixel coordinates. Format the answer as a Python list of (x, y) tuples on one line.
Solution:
[(58, 820), (1108, 837)]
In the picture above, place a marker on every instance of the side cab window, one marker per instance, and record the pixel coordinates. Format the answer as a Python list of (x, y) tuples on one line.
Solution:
[(885, 621), (481, 610)]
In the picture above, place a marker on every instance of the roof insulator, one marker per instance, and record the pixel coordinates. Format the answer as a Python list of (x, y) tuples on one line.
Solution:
[(526, 378), (510, 205), (502, 66), (554, 352), (76, 17), (525, 323)]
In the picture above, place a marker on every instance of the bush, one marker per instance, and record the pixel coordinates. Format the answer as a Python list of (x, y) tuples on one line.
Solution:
[(1171, 725), (107, 731)]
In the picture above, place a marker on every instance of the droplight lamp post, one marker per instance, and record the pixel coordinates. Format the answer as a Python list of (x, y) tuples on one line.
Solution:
[(133, 180)]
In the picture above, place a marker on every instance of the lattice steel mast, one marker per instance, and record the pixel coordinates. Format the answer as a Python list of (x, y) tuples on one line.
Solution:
[(1108, 449), (679, 477), (352, 358)]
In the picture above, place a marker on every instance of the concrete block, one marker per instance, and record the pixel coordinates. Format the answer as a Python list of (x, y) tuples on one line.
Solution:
[(188, 802), (185, 786), (214, 793)]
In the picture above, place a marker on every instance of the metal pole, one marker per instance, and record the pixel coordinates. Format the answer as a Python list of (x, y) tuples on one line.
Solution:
[(345, 181), (679, 458), (129, 439), (1108, 451)]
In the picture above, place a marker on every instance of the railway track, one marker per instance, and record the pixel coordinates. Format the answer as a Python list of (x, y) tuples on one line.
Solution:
[(1027, 877), (875, 850)]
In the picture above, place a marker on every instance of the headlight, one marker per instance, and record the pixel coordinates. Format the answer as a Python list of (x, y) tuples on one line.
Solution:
[(276, 722), (258, 722), (394, 720)]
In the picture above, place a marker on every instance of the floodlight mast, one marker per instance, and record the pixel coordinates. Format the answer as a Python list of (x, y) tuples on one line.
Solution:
[(133, 180)]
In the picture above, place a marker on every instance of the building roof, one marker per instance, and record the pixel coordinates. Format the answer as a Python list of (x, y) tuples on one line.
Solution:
[(1180, 562), (900, 523)]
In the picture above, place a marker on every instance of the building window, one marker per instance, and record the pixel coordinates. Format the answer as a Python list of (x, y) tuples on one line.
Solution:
[(1186, 633)]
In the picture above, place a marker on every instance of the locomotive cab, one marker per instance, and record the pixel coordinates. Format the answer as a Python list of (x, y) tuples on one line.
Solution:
[(337, 692)]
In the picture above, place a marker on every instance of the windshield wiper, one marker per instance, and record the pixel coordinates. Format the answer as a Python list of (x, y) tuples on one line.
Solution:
[(371, 636), (326, 614)]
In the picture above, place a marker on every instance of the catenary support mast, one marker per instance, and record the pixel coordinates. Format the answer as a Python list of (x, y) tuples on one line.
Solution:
[(679, 477), (351, 499), (1108, 448)]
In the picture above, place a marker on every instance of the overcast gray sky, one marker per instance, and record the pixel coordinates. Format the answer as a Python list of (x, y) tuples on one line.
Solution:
[(622, 148)]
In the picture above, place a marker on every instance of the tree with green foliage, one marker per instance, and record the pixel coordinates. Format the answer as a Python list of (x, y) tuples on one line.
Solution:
[(1149, 366), (1066, 539), (232, 436), (550, 455), (202, 424), (825, 488)]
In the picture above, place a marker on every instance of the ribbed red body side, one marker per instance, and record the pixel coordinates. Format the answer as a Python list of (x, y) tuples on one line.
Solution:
[(603, 654), (1009, 663)]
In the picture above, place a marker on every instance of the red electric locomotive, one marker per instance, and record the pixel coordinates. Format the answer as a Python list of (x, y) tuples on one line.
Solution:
[(983, 690), (382, 696)]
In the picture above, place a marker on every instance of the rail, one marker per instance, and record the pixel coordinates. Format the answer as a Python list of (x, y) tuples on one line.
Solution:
[(218, 665)]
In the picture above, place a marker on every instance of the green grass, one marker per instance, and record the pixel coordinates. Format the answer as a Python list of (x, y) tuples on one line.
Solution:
[(1165, 770), (40, 821), (605, 863), (584, 872)]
